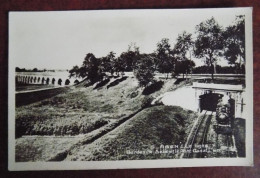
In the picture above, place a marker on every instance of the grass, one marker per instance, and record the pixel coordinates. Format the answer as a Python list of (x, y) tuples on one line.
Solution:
[(81, 110), (55, 124), (32, 97), (41, 148), (149, 129), (25, 87)]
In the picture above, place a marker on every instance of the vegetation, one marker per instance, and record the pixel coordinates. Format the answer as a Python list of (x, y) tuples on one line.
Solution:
[(145, 69), (17, 69), (81, 110), (235, 43), (182, 48), (148, 130), (40, 124), (220, 69), (209, 43), (164, 61)]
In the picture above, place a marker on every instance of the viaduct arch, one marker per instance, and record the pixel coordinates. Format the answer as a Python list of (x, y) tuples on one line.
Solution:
[(46, 80)]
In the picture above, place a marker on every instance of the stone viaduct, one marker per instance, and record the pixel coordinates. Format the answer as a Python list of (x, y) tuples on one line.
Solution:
[(46, 80)]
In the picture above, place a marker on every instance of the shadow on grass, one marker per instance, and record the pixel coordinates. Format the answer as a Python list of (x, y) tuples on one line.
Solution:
[(179, 80), (116, 82), (102, 83), (153, 88), (35, 96)]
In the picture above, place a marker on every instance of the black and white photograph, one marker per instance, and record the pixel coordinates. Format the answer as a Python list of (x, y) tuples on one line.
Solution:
[(109, 89)]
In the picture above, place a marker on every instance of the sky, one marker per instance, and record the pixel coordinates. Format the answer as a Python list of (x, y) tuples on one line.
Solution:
[(61, 39)]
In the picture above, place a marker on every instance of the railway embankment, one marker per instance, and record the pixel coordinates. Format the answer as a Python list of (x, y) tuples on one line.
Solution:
[(63, 118)]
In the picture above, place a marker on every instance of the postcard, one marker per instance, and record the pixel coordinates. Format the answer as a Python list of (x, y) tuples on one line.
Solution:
[(123, 89)]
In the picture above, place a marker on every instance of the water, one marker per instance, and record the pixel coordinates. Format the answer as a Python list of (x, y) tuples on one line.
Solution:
[(62, 74)]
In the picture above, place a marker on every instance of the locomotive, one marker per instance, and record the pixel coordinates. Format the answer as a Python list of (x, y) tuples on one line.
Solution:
[(224, 115)]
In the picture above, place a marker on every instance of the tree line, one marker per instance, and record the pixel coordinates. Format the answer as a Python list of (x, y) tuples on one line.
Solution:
[(17, 69), (211, 43)]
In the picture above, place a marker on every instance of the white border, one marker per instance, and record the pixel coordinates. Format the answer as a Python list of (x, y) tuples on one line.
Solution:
[(80, 165)]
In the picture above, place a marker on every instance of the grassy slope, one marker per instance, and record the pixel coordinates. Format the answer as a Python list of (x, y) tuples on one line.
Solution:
[(152, 127), (81, 106), (41, 148), (67, 113)]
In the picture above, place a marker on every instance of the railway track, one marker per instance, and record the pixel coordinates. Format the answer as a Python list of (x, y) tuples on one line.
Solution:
[(198, 136), (195, 146)]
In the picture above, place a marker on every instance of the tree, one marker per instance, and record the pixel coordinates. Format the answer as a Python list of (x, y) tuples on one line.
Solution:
[(165, 63), (184, 67), (130, 58), (119, 65), (235, 42), (209, 42), (144, 70), (74, 72), (133, 55), (182, 48), (108, 62), (90, 68)]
